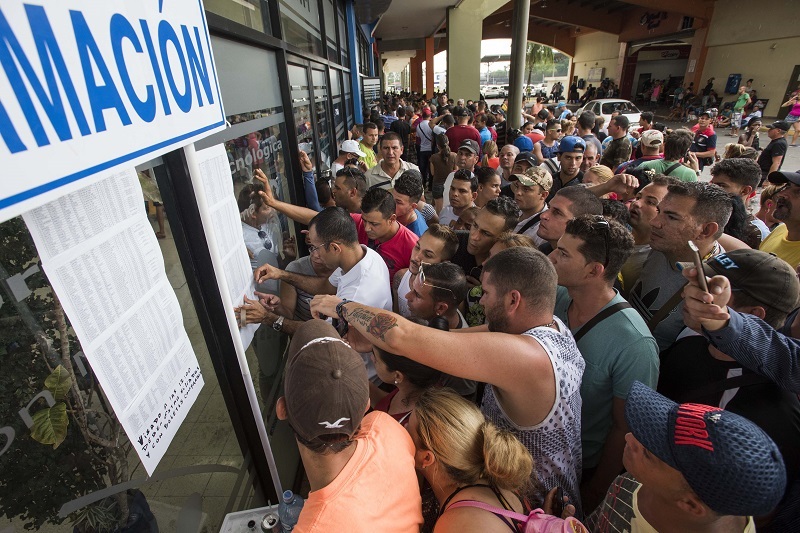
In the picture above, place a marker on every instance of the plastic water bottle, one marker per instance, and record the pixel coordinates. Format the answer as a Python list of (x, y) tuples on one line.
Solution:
[(289, 510)]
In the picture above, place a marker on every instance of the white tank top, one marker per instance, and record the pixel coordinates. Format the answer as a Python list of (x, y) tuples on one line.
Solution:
[(402, 290)]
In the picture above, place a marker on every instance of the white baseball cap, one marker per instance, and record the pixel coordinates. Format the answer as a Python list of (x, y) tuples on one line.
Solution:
[(351, 147)]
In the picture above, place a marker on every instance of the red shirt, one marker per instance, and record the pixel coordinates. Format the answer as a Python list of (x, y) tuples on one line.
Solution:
[(458, 133), (535, 136), (396, 252)]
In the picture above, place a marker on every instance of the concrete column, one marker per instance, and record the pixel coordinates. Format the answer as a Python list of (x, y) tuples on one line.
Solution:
[(416, 71), (697, 59), (429, 74), (519, 44), (464, 32)]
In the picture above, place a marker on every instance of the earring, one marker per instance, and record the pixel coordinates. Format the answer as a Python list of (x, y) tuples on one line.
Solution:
[(395, 382)]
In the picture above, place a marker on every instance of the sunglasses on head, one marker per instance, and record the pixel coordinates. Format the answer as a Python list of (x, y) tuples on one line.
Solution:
[(422, 280)]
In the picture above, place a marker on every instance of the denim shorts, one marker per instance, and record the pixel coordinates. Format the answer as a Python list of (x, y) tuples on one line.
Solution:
[(438, 191), (791, 119)]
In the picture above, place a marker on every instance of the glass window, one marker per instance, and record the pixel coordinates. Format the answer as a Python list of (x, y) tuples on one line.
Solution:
[(330, 28), (246, 12), (94, 453), (321, 114), (344, 44), (339, 120), (300, 23), (348, 100), (301, 110)]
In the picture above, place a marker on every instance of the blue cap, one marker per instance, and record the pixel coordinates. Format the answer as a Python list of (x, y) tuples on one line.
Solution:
[(728, 461), (561, 104), (525, 144), (571, 143)]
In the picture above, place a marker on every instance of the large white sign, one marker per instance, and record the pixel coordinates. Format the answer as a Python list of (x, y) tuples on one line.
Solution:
[(88, 86)]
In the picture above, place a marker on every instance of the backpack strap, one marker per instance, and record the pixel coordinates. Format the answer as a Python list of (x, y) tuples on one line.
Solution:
[(492, 509), (669, 170), (381, 184), (662, 313), (599, 317), (529, 224)]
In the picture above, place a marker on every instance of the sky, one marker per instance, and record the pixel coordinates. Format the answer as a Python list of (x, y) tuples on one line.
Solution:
[(488, 47)]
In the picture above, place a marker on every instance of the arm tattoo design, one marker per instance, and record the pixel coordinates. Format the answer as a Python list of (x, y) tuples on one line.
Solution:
[(377, 325)]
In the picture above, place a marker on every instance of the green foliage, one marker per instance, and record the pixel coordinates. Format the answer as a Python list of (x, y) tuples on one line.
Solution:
[(99, 517), (50, 425), (537, 54), (36, 480), (58, 382)]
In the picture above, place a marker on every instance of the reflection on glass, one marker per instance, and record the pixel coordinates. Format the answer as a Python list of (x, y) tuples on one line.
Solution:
[(70, 442), (343, 42), (300, 23), (323, 121), (245, 12), (330, 28)]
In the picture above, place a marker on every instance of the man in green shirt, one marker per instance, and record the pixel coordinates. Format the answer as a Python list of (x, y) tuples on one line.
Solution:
[(742, 99), (367, 144), (675, 148), (612, 337)]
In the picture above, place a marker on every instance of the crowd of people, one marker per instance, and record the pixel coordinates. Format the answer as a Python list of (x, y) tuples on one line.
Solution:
[(492, 321)]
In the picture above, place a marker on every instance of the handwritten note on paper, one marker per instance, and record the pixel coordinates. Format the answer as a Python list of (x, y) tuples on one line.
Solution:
[(217, 181), (104, 263)]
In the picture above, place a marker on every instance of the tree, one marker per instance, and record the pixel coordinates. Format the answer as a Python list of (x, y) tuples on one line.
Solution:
[(536, 54)]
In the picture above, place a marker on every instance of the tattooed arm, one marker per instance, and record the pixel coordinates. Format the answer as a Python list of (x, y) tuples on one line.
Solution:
[(465, 357)]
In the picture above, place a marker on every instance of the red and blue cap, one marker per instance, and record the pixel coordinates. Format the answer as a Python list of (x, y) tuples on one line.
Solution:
[(728, 461)]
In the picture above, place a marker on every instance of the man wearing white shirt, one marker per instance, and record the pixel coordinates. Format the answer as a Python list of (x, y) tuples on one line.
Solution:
[(463, 191), (360, 274)]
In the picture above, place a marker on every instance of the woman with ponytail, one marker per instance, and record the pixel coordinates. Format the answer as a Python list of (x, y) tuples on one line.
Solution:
[(464, 457)]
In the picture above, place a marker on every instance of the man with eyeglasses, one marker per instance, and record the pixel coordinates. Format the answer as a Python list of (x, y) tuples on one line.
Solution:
[(612, 337), (359, 273)]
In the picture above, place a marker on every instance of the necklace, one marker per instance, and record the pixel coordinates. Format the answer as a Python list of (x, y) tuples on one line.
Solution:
[(548, 325)]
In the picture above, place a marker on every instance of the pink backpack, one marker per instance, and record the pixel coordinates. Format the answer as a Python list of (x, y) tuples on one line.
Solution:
[(536, 522)]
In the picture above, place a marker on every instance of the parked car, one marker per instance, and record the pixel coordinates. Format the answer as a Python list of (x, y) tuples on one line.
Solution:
[(492, 91), (604, 107)]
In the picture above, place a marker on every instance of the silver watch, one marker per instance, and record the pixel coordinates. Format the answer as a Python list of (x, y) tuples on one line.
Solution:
[(278, 324)]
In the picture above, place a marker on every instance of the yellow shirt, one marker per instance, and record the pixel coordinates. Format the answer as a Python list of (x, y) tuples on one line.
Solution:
[(777, 244), (369, 159)]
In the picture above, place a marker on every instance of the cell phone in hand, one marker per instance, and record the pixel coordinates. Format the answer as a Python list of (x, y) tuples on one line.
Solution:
[(698, 264), (558, 502)]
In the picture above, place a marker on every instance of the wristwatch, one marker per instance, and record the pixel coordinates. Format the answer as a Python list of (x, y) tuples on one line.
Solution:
[(278, 324), (340, 309)]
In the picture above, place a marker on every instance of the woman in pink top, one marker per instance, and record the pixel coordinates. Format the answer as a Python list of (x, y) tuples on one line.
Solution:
[(793, 117)]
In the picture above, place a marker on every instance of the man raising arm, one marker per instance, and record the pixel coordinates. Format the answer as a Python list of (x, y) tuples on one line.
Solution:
[(535, 375)]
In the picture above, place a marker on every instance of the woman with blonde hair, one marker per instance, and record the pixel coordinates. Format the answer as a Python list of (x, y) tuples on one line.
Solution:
[(598, 175), (511, 240), (490, 158), (464, 457)]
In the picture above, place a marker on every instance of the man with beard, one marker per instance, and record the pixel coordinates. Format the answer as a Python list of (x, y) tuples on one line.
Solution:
[(525, 354), (784, 241)]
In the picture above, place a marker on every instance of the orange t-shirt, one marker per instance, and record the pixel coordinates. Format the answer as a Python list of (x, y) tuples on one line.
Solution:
[(376, 491)]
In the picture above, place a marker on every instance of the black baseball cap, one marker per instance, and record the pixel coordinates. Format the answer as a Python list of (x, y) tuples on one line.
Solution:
[(781, 177), (526, 157)]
